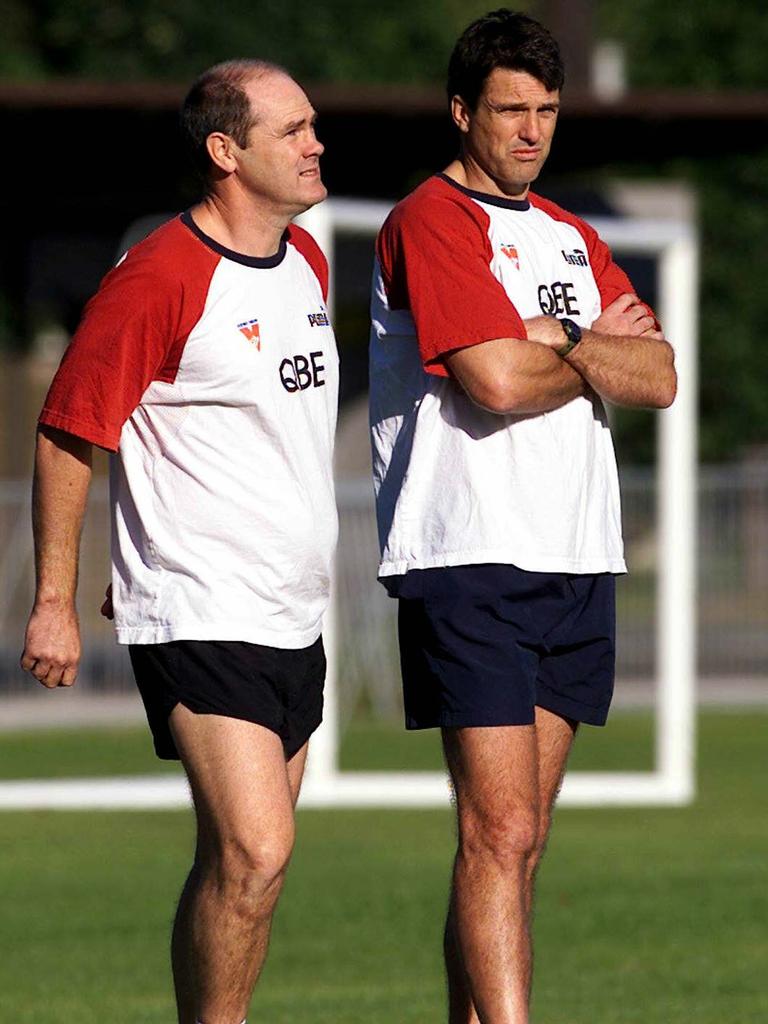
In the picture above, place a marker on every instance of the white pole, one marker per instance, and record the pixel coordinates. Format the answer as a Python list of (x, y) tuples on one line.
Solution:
[(318, 221), (322, 762), (676, 615)]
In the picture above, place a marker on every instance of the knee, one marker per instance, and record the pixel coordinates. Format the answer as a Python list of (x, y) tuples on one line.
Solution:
[(509, 839), (251, 869), (537, 850)]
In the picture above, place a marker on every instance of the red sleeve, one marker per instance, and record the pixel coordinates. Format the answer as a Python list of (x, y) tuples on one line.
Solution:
[(610, 279), (312, 253), (435, 257), (133, 332)]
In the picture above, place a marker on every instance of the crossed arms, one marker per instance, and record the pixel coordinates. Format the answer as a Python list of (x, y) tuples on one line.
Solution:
[(622, 357)]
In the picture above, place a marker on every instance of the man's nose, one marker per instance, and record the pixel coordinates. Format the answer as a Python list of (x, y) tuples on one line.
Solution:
[(530, 130), (315, 148)]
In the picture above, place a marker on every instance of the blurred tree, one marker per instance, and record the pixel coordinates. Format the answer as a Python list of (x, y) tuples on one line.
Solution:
[(406, 40), (699, 44), (708, 44), (695, 44)]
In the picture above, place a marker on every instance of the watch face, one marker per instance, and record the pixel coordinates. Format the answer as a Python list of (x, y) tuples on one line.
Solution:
[(571, 329)]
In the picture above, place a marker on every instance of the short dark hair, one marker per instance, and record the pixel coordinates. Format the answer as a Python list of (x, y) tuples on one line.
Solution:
[(217, 102), (502, 39)]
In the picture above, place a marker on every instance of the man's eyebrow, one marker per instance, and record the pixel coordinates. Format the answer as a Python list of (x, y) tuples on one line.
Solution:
[(501, 107), (300, 122)]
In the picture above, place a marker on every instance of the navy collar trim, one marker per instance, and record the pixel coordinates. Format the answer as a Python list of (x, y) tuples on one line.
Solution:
[(483, 197), (261, 262)]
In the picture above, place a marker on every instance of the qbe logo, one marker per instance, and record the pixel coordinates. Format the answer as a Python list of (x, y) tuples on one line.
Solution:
[(301, 372), (558, 298)]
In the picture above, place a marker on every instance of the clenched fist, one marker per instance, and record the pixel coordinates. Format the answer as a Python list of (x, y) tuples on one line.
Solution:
[(52, 645)]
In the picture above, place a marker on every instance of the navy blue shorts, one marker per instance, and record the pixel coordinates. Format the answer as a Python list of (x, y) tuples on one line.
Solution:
[(278, 688), (484, 644)]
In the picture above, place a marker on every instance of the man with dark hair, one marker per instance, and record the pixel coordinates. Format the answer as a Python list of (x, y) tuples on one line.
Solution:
[(206, 363), (500, 324)]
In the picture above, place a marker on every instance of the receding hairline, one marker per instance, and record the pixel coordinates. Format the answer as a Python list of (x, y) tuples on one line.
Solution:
[(243, 69), (240, 72)]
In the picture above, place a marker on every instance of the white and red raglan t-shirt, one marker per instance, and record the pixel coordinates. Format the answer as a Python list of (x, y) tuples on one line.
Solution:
[(455, 484), (214, 377)]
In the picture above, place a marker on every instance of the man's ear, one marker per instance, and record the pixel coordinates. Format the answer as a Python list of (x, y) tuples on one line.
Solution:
[(221, 150), (461, 114)]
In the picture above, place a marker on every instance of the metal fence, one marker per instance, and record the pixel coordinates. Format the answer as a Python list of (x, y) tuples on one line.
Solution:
[(732, 588)]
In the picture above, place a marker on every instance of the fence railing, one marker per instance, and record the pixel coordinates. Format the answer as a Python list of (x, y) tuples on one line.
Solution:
[(732, 588)]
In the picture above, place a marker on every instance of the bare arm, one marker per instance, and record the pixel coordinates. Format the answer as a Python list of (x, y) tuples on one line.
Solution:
[(62, 477), (623, 358), (511, 375)]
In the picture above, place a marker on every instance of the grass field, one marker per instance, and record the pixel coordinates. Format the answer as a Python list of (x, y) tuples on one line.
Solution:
[(652, 916)]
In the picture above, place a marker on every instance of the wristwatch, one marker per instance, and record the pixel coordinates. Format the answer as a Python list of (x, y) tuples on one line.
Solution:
[(572, 333)]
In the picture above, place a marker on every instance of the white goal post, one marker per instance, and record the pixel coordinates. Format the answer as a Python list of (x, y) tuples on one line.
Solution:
[(673, 244), (675, 247)]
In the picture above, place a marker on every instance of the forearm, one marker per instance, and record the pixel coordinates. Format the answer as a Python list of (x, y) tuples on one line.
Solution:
[(537, 384), (628, 371), (516, 377), (62, 475), (59, 495)]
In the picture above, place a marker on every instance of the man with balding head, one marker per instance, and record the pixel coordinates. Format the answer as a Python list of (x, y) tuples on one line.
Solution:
[(207, 365)]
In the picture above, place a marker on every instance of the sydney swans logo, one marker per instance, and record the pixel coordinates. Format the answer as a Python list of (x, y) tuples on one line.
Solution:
[(510, 251), (250, 331)]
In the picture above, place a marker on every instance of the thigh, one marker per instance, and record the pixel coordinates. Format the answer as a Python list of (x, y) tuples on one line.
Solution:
[(494, 771), (295, 767), (554, 739), (238, 776)]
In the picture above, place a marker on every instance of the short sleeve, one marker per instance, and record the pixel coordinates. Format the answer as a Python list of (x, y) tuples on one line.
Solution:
[(435, 261), (610, 278), (312, 253), (122, 343), (133, 332)]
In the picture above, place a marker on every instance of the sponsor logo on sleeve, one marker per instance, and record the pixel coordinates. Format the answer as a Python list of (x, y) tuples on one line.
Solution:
[(319, 319), (577, 258), (510, 251), (250, 331)]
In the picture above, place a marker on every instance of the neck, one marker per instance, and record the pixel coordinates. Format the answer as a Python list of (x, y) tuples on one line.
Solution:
[(467, 172), (244, 227)]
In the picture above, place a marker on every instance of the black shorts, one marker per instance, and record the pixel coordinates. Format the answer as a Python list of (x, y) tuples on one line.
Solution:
[(271, 686), (484, 644)]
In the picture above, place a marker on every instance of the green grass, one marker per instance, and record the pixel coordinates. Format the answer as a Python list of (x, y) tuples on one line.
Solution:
[(127, 750), (62, 753), (652, 916)]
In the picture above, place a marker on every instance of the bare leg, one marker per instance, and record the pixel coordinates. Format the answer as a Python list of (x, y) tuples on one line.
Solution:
[(244, 796), (553, 740), (296, 772), (461, 1009), (494, 773)]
